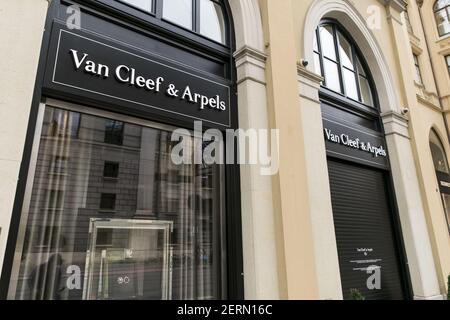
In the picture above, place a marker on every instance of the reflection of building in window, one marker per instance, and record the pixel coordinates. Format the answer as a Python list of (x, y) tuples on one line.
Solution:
[(151, 187)]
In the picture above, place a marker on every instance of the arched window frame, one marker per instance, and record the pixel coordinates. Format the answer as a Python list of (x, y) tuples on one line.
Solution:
[(440, 7), (155, 17), (361, 70), (441, 175)]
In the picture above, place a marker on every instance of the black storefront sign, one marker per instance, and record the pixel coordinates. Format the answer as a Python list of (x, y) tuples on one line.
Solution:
[(83, 64), (349, 142)]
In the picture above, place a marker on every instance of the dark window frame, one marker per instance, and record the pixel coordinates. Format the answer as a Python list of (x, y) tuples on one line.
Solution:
[(356, 56), (436, 10), (156, 17)]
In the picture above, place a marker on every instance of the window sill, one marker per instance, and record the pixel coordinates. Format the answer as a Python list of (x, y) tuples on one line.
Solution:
[(442, 38), (105, 211)]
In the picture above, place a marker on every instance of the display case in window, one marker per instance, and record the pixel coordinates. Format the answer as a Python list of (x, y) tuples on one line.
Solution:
[(128, 260)]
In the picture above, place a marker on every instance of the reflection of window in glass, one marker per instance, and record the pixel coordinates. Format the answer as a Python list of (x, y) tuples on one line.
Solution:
[(104, 237), (59, 165), (64, 123), (55, 199), (212, 24), (442, 14), (114, 132), (146, 5), (111, 169), (108, 201), (179, 12), (51, 236)]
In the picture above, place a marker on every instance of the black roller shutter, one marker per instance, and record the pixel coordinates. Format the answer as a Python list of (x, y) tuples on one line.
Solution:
[(364, 230)]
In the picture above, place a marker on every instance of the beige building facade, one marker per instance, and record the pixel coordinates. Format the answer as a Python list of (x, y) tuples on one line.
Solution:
[(294, 227)]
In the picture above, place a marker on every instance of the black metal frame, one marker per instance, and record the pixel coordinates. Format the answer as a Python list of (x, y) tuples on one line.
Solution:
[(356, 55), (441, 191), (341, 102), (435, 10), (155, 17), (132, 18)]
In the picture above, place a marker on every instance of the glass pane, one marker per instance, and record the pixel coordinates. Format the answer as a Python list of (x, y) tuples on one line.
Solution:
[(350, 84), (212, 24), (331, 75), (327, 42), (447, 59), (179, 12), (87, 237), (361, 69), (62, 124), (443, 23), (146, 5), (315, 44), (345, 51), (366, 94), (438, 153), (441, 4)]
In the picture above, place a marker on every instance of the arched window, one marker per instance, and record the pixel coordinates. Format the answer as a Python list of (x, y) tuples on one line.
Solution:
[(204, 17), (338, 61), (442, 14), (442, 171)]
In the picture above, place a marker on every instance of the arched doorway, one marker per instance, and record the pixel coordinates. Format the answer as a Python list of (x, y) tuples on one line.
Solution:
[(365, 218), (442, 172)]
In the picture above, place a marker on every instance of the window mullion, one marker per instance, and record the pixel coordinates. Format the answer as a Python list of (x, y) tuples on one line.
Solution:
[(319, 48), (196, 16), (355, 65), (158, 7), (339, 62)]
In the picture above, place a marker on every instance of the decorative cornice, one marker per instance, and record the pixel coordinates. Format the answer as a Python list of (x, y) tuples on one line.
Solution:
[(395, 124), (250, 65), (247, 51), (394, 115), (305, 73), (398, 5)]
